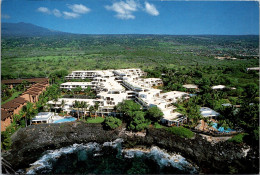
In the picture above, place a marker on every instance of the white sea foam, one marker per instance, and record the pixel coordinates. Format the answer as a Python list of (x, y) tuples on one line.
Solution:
[(113, 144), (162, 158), (52, 155)]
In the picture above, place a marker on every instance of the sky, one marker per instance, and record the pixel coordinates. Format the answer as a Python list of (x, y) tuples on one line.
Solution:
[(137, 16)]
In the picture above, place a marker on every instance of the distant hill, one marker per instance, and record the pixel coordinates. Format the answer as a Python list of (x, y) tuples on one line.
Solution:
[(27, 29)]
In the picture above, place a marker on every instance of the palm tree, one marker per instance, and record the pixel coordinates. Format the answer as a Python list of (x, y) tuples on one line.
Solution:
[(84, 105), (29, 111), (96, 106), (77, 105), (24, 83), (91, 109), (49, 107), (55, 100), (62, 106)]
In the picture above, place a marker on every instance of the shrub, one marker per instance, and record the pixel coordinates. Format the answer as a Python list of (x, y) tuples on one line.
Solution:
[(181, 132), (237, 138), (112, 123), (157, 125)]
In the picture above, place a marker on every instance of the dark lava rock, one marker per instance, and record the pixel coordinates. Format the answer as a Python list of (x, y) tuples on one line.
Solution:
[(30, 143)]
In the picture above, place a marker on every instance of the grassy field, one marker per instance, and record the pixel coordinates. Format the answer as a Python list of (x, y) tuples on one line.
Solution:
[(97, 120), (38, 57), (15, 94)]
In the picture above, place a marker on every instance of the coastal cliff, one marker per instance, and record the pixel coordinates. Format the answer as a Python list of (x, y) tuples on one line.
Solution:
[(30, 143)]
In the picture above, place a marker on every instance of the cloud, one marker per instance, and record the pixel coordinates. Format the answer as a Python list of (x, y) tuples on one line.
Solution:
[(5, 16), (70, 15), (56, 13), (79, 8), (123, 9), (44, 10), (151, 9)]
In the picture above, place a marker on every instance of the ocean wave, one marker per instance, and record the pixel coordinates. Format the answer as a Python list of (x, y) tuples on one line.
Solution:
[(160, 156), (45, 162)]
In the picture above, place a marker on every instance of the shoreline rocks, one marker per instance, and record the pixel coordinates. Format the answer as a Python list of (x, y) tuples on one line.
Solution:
[(30, 143)]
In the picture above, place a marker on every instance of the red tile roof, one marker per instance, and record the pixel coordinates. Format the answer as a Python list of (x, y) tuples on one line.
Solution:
[(4, 114), (35, 89), (31, 93), (10, 104), (19, 100)]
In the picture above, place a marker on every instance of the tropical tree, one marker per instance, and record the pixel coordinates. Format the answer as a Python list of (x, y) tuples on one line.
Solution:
[(62, 106), (127, 108), (78, 89), (138, 121), (96, 106), (55, 100), (112, 122), (84, 105), (24, 84), (154, 114), (192, 111), (91, 109), (29, 111), (77, 105)]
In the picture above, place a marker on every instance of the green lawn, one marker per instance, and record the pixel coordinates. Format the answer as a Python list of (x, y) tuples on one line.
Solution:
[(97, 120), (16, 94)]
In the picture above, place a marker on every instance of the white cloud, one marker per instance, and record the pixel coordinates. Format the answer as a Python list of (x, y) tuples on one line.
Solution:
[(56, 13), (151, 9), (44, 10), (79, 8), (5, 16), (70, 15), (123, 9)]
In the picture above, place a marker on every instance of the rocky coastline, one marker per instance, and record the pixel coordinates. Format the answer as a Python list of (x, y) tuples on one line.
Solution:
[(223, 157)]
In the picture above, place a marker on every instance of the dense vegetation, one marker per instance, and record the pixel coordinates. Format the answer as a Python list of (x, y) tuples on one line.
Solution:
[(177, 60), (24, 57), (181, 131)]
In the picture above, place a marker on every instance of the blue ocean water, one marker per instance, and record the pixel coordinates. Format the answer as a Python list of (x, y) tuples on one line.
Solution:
[(110, 158)]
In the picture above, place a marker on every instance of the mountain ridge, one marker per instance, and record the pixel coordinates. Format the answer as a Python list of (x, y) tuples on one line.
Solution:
[(27, 29)]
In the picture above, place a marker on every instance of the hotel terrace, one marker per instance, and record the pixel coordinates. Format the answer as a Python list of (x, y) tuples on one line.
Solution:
[(114, 86)]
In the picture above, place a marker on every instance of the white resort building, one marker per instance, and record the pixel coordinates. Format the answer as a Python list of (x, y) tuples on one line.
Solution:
[(73, 85), (43, 117), (115, 86), (208, 113)]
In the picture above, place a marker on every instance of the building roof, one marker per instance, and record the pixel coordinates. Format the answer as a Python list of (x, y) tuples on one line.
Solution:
[(31, 92), (173, 116), (43, 116), (207, 112), (190, 86), (19, 100), (77, 83), (218, 87), (4, 114), (10, 104), (253, 68), (19, 81)]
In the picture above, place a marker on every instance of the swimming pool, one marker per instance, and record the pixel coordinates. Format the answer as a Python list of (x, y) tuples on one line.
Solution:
[(69, 119), (221, 129)]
